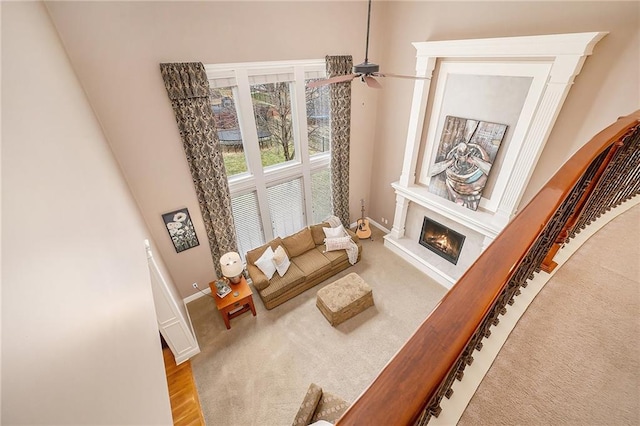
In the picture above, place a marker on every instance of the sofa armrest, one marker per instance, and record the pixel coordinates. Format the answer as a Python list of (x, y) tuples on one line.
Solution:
[(258, 278), (308, 406), (353, 235)]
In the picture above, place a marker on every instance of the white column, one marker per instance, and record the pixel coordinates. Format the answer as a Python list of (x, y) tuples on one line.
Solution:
[(400, 216), (424, 68), (563, 72), (173, 325)]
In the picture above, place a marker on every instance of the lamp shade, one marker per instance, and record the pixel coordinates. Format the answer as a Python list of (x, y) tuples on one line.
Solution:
[(231, 264)]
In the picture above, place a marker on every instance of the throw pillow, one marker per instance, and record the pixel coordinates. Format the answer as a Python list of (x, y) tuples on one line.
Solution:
[(281, 261), (334, 232), (337, 243), (265, 263)]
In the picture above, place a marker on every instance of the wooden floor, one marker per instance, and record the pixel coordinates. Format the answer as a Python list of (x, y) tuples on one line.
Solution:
[(185, 404)]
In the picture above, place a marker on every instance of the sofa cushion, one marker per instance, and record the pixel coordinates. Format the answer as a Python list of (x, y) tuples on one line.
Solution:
[(312, 263), (308, 406), (299, 242), (279, 285), (317, 233), (335, 257), (338, 256)]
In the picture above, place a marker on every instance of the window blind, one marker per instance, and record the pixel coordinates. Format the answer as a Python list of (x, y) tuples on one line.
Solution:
[(246, 216), (286, 206)]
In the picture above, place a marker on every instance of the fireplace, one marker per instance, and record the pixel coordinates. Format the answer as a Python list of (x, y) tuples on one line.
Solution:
[(441, 240)]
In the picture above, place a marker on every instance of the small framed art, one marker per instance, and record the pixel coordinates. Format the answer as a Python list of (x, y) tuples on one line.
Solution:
[(181, 230)]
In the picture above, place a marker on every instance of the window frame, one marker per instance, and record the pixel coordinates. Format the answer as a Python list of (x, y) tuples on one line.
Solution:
[(240, 77)]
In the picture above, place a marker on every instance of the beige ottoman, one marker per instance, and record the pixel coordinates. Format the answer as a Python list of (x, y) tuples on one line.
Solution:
[(344, 298)]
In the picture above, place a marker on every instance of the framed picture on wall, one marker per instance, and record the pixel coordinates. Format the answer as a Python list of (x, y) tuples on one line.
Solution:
[(464, 158), (181, 230)]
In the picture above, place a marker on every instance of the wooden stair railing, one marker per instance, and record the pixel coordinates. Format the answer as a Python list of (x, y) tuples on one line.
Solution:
[(602, 174)]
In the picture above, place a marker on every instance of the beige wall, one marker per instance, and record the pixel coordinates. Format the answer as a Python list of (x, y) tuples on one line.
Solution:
[(115, 48), (80, 342)]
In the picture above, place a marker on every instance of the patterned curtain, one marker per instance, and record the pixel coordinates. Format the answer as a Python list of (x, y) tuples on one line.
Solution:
[(188, 91), (340, 130)]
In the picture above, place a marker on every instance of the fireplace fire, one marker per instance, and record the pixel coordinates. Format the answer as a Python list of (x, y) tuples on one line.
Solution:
[(441, 240)]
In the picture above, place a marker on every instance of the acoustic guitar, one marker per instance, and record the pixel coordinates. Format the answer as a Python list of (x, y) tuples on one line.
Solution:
[(363, 230)]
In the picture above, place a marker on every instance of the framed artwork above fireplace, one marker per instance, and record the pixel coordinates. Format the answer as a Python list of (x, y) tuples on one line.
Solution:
[(464, 158)]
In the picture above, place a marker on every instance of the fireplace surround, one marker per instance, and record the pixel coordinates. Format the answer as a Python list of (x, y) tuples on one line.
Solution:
[(475, 79)]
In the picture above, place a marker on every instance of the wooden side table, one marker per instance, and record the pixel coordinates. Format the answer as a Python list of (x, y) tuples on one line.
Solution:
[(231, 306)]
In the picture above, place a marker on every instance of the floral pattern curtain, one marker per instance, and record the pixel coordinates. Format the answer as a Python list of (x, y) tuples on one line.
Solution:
[(188, 90), (340, 94)]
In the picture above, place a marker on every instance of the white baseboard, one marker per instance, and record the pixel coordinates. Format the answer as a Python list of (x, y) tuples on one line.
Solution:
[(463, 391), (371, 222), (196, 350), (377, 225), (196, 295)]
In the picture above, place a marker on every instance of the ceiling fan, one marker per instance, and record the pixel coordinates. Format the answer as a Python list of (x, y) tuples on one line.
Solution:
[(366, 71)]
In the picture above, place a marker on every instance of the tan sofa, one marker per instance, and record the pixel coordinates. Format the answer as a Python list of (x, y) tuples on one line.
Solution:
[(310, 265)]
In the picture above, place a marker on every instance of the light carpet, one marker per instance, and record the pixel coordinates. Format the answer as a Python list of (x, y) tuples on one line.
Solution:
[(258, 372), (573, 357)]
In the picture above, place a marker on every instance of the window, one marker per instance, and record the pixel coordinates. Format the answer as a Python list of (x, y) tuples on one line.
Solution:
[(274, 135), (226, 119), (318, 115), (272, 111), (321, 194)]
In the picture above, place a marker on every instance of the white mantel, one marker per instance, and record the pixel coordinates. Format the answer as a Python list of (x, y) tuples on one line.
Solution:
[(547, 64)]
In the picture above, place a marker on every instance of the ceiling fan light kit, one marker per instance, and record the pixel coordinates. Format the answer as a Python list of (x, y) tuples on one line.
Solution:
[(366, 70)]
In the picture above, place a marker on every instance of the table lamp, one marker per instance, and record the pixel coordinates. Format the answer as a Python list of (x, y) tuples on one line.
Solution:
[(231, 266)]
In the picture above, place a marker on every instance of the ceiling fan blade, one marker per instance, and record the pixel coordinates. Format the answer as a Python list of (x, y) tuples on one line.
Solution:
[(336, 79), (412, 77), (372, 82)]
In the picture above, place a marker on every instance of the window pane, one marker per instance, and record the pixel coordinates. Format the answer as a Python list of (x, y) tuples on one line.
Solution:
[(272, 110), (286, 205), (321, 195), (248, 222), (226, 119), (318, 126)]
